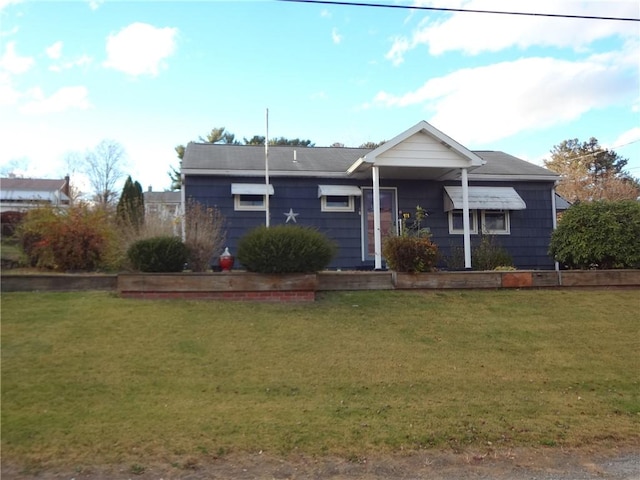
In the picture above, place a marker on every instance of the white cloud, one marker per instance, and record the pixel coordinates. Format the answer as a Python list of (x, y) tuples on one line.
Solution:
[(627, 138), (79, 62), (492, 33), (66, 98), (14, 63), (8, 94), (140, 49), (95, 4), (335, 36), (489, 103), (6, 3), (54, 51)]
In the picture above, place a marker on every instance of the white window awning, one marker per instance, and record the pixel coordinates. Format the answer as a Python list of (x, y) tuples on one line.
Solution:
[(484, 198), (250, 189), (339, 191)]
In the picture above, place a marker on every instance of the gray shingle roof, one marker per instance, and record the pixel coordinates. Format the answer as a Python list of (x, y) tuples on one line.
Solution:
[(32, 184), (33, 189), (224, 158), (281, 158), (500, 163), (161, 197)]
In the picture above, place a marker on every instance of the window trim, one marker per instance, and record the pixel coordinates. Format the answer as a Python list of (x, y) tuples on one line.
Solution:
[(507, 223), (349, 192), (482, 224), (238, 204), (240, 190), (474, 220), (325, 207)]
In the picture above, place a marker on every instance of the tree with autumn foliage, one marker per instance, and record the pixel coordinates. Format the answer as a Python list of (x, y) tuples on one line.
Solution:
[(590, 172)]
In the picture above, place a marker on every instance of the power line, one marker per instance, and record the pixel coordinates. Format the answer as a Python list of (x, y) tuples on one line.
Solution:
[(461, 10)]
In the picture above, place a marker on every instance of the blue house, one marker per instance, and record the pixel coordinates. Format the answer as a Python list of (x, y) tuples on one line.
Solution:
[(357, 196)]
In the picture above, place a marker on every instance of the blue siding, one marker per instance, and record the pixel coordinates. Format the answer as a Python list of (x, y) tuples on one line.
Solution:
[(528, 242)]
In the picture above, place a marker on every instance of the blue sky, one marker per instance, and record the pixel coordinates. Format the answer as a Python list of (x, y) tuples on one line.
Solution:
[(154, 74)]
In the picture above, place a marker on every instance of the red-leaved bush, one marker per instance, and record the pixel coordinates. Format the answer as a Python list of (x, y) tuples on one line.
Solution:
[(72, 239)]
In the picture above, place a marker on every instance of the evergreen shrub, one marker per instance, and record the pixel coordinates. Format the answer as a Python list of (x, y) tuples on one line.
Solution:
[(158, 254), (285, 249), (598, 235)]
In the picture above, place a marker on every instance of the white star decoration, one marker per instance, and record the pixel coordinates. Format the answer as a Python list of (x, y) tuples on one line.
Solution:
[(291, 216)]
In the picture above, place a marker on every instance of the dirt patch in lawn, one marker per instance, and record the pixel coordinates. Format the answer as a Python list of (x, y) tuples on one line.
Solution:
[(516, 464)]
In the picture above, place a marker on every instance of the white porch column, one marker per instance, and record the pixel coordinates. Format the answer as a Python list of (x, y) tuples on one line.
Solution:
[(377, 235), (465, 219)]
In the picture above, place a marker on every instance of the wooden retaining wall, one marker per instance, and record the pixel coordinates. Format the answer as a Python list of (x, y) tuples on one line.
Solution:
[(222, 286), (58, 282), (303, 287)]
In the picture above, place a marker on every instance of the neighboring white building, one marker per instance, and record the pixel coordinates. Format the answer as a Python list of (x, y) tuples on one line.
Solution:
[(20, 194), (165, 204)]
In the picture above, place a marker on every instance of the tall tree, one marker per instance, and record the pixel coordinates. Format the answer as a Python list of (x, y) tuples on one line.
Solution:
[(255, 140), (589, 172), (216, 135), (103, 167), (130, 210), (372, 145), (294, 142)]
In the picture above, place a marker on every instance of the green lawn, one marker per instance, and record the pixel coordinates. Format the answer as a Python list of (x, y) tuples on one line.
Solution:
[(92, 378)]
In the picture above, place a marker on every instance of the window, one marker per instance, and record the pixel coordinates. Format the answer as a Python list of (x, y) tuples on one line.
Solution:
[(249, 202), (455, 221), (250, 196), (338, 198), (336, 203), (496, 222)]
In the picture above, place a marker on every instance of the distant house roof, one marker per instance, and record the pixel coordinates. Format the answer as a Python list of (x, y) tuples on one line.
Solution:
[(163, 198), (23, 192), (562, 203), (249, 160)]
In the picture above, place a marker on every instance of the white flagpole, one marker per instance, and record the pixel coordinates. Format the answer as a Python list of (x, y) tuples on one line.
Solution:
[(266, 172)]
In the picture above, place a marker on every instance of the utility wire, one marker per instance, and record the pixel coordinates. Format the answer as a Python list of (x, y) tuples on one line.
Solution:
[(461, 10)]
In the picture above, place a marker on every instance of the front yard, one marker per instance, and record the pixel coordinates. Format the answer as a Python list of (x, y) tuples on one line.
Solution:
[(90, 378)]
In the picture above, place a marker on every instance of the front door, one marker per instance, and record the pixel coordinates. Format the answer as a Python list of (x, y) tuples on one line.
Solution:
[(388, 218)]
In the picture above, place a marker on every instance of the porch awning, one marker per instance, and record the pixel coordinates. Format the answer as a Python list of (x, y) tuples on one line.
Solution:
[(339, 191), (484, 198), (250, 189)]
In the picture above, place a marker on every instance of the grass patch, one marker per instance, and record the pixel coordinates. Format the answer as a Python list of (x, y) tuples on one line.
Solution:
[(91, 378)]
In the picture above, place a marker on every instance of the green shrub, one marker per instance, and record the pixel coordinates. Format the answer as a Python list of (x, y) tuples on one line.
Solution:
[(285, 249), (10, 222), (33, 236), (410, 253), (488, 255), (600, 235), (158, 254)]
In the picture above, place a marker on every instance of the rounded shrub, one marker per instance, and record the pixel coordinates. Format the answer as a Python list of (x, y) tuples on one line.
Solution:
[(285, 249), (158, 254), (599, 235), (413, 254)]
